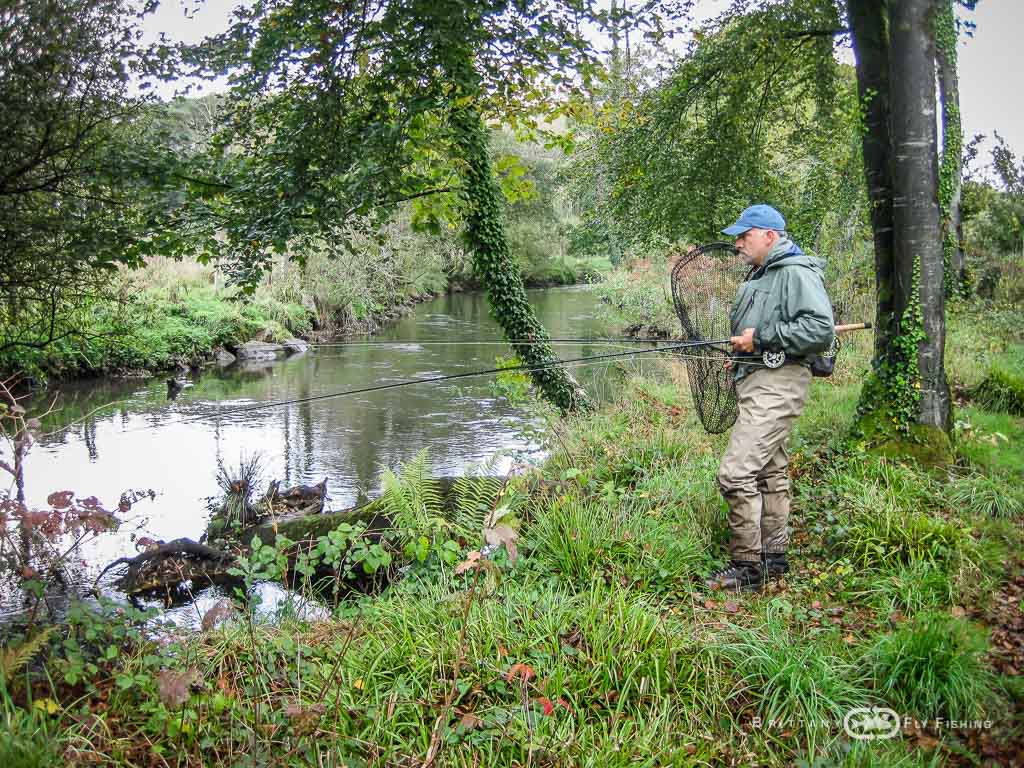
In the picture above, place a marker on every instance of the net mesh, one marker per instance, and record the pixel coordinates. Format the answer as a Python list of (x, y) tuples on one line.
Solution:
[(704, 285)]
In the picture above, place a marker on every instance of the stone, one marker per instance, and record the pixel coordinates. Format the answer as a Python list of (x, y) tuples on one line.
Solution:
[(295, 346), (222, 357), (259, 350)]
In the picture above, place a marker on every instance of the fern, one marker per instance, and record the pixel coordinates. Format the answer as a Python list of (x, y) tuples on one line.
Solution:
[(413, 500), (483, 500), (13, 660)]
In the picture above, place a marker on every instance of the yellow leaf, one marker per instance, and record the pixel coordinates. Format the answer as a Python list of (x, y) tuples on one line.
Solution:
[(358, 683), (49, 706)]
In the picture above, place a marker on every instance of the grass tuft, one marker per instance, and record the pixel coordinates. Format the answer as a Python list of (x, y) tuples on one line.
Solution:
[(934, 667)]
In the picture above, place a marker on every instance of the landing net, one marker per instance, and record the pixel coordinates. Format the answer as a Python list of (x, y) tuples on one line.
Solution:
[(704, 285)]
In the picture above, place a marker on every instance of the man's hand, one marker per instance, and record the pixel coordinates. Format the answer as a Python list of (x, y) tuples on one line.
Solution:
[(744, 343)]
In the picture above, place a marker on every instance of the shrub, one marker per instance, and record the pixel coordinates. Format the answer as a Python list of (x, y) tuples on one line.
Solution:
[(933, 666)]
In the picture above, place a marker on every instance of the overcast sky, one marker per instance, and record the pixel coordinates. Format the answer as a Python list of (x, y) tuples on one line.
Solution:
[(990, 62)]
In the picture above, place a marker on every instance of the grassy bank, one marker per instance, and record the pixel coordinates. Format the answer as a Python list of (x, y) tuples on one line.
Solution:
[(171, 314), (595, 646)]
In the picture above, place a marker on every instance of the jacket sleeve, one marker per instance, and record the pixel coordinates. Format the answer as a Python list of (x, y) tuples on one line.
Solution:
[(806, 325)]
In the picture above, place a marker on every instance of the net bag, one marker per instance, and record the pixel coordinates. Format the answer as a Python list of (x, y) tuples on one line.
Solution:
[(704, 285)]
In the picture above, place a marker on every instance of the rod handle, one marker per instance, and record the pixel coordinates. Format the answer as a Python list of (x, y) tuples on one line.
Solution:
[(852, 327)]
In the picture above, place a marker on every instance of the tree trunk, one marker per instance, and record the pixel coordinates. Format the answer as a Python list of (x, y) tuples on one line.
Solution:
[(871, 47), (919, 298), (497, 270), (951, 174)]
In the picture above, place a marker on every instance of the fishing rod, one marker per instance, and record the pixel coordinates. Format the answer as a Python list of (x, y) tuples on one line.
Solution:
[(526, 367), (428, 380)]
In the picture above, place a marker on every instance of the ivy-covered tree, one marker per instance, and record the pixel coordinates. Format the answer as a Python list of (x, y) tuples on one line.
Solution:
[(894, 43)]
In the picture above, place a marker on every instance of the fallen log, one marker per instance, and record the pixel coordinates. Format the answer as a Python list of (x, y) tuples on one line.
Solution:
[(166, 565)]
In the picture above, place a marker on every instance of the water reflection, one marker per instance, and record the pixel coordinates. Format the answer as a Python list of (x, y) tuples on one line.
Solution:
[(173, 447)]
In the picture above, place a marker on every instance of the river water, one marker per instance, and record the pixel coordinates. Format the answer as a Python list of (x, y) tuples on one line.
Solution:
[(144, 440)]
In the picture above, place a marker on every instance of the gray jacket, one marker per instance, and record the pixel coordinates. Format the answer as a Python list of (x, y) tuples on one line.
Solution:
[(786, 304)]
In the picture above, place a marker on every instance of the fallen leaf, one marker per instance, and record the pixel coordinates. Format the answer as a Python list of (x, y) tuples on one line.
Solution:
[(522, 671), (710, 604), (220, 611), (175, 687), (957, 612), (816, 605), (469, 721), (731, 607), (548, 707), (472, 561), (358, 683)]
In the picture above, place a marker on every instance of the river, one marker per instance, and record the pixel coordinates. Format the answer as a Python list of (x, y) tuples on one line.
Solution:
[(144, 440)]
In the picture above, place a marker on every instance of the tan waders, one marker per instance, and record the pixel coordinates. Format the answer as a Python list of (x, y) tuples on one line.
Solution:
[(753, 475)]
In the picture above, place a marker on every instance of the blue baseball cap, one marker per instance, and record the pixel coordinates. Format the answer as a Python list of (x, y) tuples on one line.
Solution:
[(759, 216)]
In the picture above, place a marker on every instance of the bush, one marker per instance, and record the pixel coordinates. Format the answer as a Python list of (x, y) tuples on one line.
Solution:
[(934, 666)]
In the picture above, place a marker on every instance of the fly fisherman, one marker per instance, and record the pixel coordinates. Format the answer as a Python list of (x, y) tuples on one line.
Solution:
[(782, 307)]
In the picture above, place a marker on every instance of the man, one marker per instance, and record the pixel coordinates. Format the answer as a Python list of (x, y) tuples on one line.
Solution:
[(782, 307)]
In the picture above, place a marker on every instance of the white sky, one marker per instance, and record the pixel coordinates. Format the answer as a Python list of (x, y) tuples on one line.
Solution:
[(990, 61)]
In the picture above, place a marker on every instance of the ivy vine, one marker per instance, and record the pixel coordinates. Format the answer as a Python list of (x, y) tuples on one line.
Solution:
[(897, 379), (952, 149), (496, 269)]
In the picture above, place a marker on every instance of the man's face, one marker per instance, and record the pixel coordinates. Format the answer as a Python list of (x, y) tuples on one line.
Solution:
[(754, 245)]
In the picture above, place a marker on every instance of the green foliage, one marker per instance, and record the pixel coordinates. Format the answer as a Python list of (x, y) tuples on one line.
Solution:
[(888, 538), (26, 737), (603, 539), (71, 195), (641, 304), (912, 588), (934, 666), (978, 495), (769, 111), (993, 443)]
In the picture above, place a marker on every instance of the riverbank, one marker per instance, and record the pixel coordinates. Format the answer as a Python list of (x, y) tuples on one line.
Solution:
[(182, 319), (591, 642)]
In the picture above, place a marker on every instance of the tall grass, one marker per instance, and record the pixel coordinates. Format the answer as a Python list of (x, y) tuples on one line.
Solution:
[(934, 667)]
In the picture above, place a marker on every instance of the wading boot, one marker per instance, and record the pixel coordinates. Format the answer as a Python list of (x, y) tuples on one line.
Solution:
[(737, 576), (775, 565)]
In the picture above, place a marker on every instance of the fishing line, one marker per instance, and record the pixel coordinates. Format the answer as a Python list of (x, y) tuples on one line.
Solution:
[(429, 380), (431, 342)]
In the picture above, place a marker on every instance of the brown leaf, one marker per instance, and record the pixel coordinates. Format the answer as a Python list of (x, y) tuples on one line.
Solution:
[(957, 612), (469, 721), (816, 605), (731, 607), (710, 604), (521, 671), (503, 534), (220, 611), (472, 561), (175, 687), (60, 499)]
